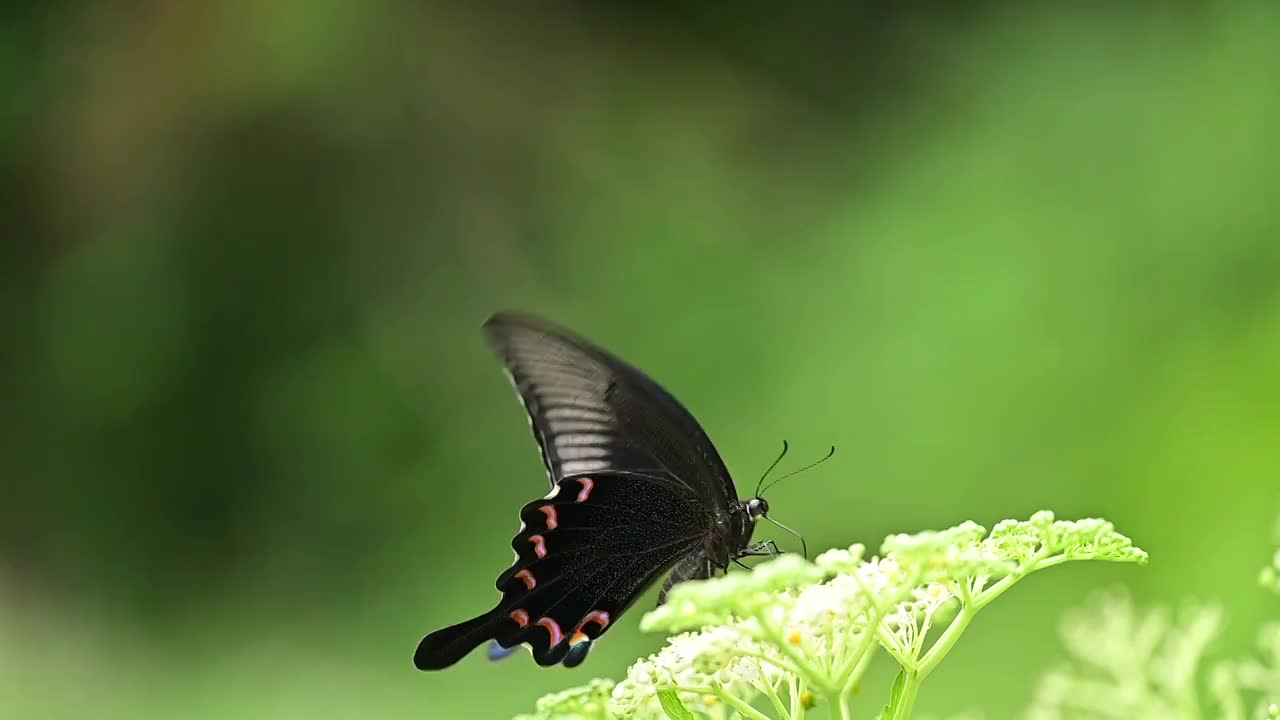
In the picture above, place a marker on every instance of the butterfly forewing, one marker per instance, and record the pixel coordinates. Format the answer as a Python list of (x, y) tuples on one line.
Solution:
[(591, 412)]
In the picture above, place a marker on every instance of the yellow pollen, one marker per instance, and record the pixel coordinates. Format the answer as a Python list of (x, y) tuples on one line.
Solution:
[(710, 700), (806, 699), (794, 637)]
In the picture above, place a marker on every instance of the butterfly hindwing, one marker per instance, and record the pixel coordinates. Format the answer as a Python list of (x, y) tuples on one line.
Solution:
[(587, 552), (583, 556)]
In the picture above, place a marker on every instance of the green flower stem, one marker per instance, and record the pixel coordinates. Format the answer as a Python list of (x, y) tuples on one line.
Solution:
[(767, 688), (867, 652), (891, 646), (1038, 562), (859, 658), (731, 700), (796, 690), (907, 700), (918, 645), (743, 708), (945, 642), (841, 703), (802, 665), (958, 625), (780, 664)]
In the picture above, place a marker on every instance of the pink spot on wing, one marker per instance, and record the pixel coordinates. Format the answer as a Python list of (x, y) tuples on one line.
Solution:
[(552, 627), (520, 616), (550, 512), (527, 577), (598, 617), (539, 545), (587, 486)]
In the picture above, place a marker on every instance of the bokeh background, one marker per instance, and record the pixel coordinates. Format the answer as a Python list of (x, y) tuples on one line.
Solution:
[(252, 445)]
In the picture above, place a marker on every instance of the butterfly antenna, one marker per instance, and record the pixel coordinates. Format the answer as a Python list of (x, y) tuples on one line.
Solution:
[(803, 545), (810, 466), (772, 465)]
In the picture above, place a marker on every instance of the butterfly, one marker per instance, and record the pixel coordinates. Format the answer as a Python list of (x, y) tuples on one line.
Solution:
[(637, 490)]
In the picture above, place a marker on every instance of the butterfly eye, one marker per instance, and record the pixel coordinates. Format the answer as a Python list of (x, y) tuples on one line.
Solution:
[(757, 507)]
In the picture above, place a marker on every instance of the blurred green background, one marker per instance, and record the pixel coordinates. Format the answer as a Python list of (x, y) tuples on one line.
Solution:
[(253, 446)]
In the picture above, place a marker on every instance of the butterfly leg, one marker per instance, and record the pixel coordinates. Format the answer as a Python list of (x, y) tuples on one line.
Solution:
[(768, 548)]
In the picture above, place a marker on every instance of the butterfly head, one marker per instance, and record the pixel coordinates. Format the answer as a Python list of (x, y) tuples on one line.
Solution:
[(757, 507)]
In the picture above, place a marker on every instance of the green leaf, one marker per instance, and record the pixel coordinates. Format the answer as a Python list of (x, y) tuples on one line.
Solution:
[(672, 706), (895, 695)]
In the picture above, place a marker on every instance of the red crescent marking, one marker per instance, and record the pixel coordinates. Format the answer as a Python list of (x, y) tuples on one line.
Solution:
[(552, 627), (598, 617), (520, 616), (587, 485), (550, 512), (527, 577), (539, 545)]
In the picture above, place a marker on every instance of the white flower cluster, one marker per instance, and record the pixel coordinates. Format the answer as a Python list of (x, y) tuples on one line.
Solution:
[(1260, 675), (1043, 537), (797, 628), (906, 628), (777, 620), (833, 624), (1137, 665), (588, 702), (963, 563), (1127, 664), (700, 667), (701, 603)]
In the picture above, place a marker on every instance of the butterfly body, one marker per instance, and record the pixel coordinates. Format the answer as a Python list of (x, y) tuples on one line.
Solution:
[(637, 490)]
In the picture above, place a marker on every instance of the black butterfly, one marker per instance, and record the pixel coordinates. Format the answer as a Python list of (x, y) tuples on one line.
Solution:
[(637, 489)]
